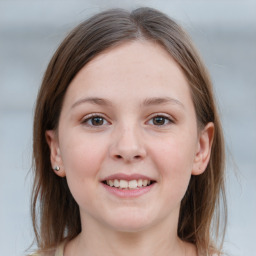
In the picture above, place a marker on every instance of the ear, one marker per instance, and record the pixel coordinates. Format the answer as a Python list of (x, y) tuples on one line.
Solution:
[(203, 152), (55, 157)]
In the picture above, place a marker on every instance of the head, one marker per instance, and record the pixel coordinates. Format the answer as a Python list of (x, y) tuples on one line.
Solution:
[(109, 30)]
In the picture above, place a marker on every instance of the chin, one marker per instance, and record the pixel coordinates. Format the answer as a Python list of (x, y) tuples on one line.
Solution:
[(130, 228), (131, 223)]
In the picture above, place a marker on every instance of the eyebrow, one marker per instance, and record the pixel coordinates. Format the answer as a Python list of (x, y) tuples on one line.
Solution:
[(93, 100), (161, 100), (147, 102)]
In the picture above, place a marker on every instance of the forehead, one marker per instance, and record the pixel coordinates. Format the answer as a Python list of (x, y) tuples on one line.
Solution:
[(139, 56), (138, 68)]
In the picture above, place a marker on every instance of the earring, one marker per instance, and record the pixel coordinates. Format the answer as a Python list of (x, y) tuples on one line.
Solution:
[(56, 168)]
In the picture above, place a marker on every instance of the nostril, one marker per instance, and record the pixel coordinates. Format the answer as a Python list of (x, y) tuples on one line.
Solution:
[(135, 157)]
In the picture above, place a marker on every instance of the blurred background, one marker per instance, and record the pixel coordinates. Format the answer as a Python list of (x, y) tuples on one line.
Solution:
[(225, 34)]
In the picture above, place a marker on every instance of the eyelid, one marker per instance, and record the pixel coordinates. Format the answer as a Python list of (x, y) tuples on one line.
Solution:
[(167, 116), (90, 116)]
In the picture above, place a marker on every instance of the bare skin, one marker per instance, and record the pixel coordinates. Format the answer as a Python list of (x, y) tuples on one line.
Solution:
[(129, 112)]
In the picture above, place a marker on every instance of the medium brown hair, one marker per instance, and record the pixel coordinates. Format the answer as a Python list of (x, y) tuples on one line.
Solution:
[(55, 212)]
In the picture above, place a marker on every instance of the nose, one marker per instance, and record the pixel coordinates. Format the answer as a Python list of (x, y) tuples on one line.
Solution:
[(127, 145)]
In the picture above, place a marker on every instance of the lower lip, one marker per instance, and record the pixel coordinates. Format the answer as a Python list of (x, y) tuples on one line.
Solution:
[(128, 193)]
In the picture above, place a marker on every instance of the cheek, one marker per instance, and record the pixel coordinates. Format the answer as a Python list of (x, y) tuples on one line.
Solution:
[(174, 160), (175, 155), (81, 152), (82, 157)]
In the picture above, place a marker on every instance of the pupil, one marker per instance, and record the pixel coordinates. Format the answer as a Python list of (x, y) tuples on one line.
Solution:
[(159, 120), (97, 121)]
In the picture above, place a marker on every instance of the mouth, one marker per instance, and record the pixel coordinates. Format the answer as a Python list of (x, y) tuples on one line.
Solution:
[(128, 185)]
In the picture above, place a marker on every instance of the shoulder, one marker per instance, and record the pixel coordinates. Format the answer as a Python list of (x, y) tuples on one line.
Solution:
[(35, 254), (48, 253), (41, 254), (58, 251), (216, 254), (45, 254)]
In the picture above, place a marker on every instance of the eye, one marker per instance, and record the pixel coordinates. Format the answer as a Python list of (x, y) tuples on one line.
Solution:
[(95, 120), (160, 120)]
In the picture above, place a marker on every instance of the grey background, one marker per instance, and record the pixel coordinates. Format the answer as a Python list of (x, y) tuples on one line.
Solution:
[(225, 34)]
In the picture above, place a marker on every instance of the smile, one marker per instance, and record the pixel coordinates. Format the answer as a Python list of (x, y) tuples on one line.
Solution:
[(131, 184), (128, 186)]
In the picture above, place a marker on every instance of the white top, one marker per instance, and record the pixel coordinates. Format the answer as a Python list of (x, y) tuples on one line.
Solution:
[(60, 250)]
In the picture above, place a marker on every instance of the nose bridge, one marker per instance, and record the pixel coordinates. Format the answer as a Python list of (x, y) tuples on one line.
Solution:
[(127, 142)]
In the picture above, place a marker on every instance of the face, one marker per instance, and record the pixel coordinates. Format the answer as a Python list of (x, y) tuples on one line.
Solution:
[(127, 139)]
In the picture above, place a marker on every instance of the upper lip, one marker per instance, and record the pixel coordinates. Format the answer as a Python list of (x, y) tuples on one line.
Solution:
[(128, 177)]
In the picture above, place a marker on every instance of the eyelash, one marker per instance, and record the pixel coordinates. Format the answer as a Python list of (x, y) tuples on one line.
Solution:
[(165, 118), (90, 117)]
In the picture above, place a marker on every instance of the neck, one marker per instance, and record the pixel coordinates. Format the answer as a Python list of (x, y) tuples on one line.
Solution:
[(97, 240)]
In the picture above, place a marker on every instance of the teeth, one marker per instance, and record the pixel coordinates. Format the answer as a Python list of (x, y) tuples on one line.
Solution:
[(144, 183), (116, 183), (123, 184), (111, 183), (132, 184)]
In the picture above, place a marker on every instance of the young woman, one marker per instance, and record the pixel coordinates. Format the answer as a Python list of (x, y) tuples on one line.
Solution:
[(128, 146)]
